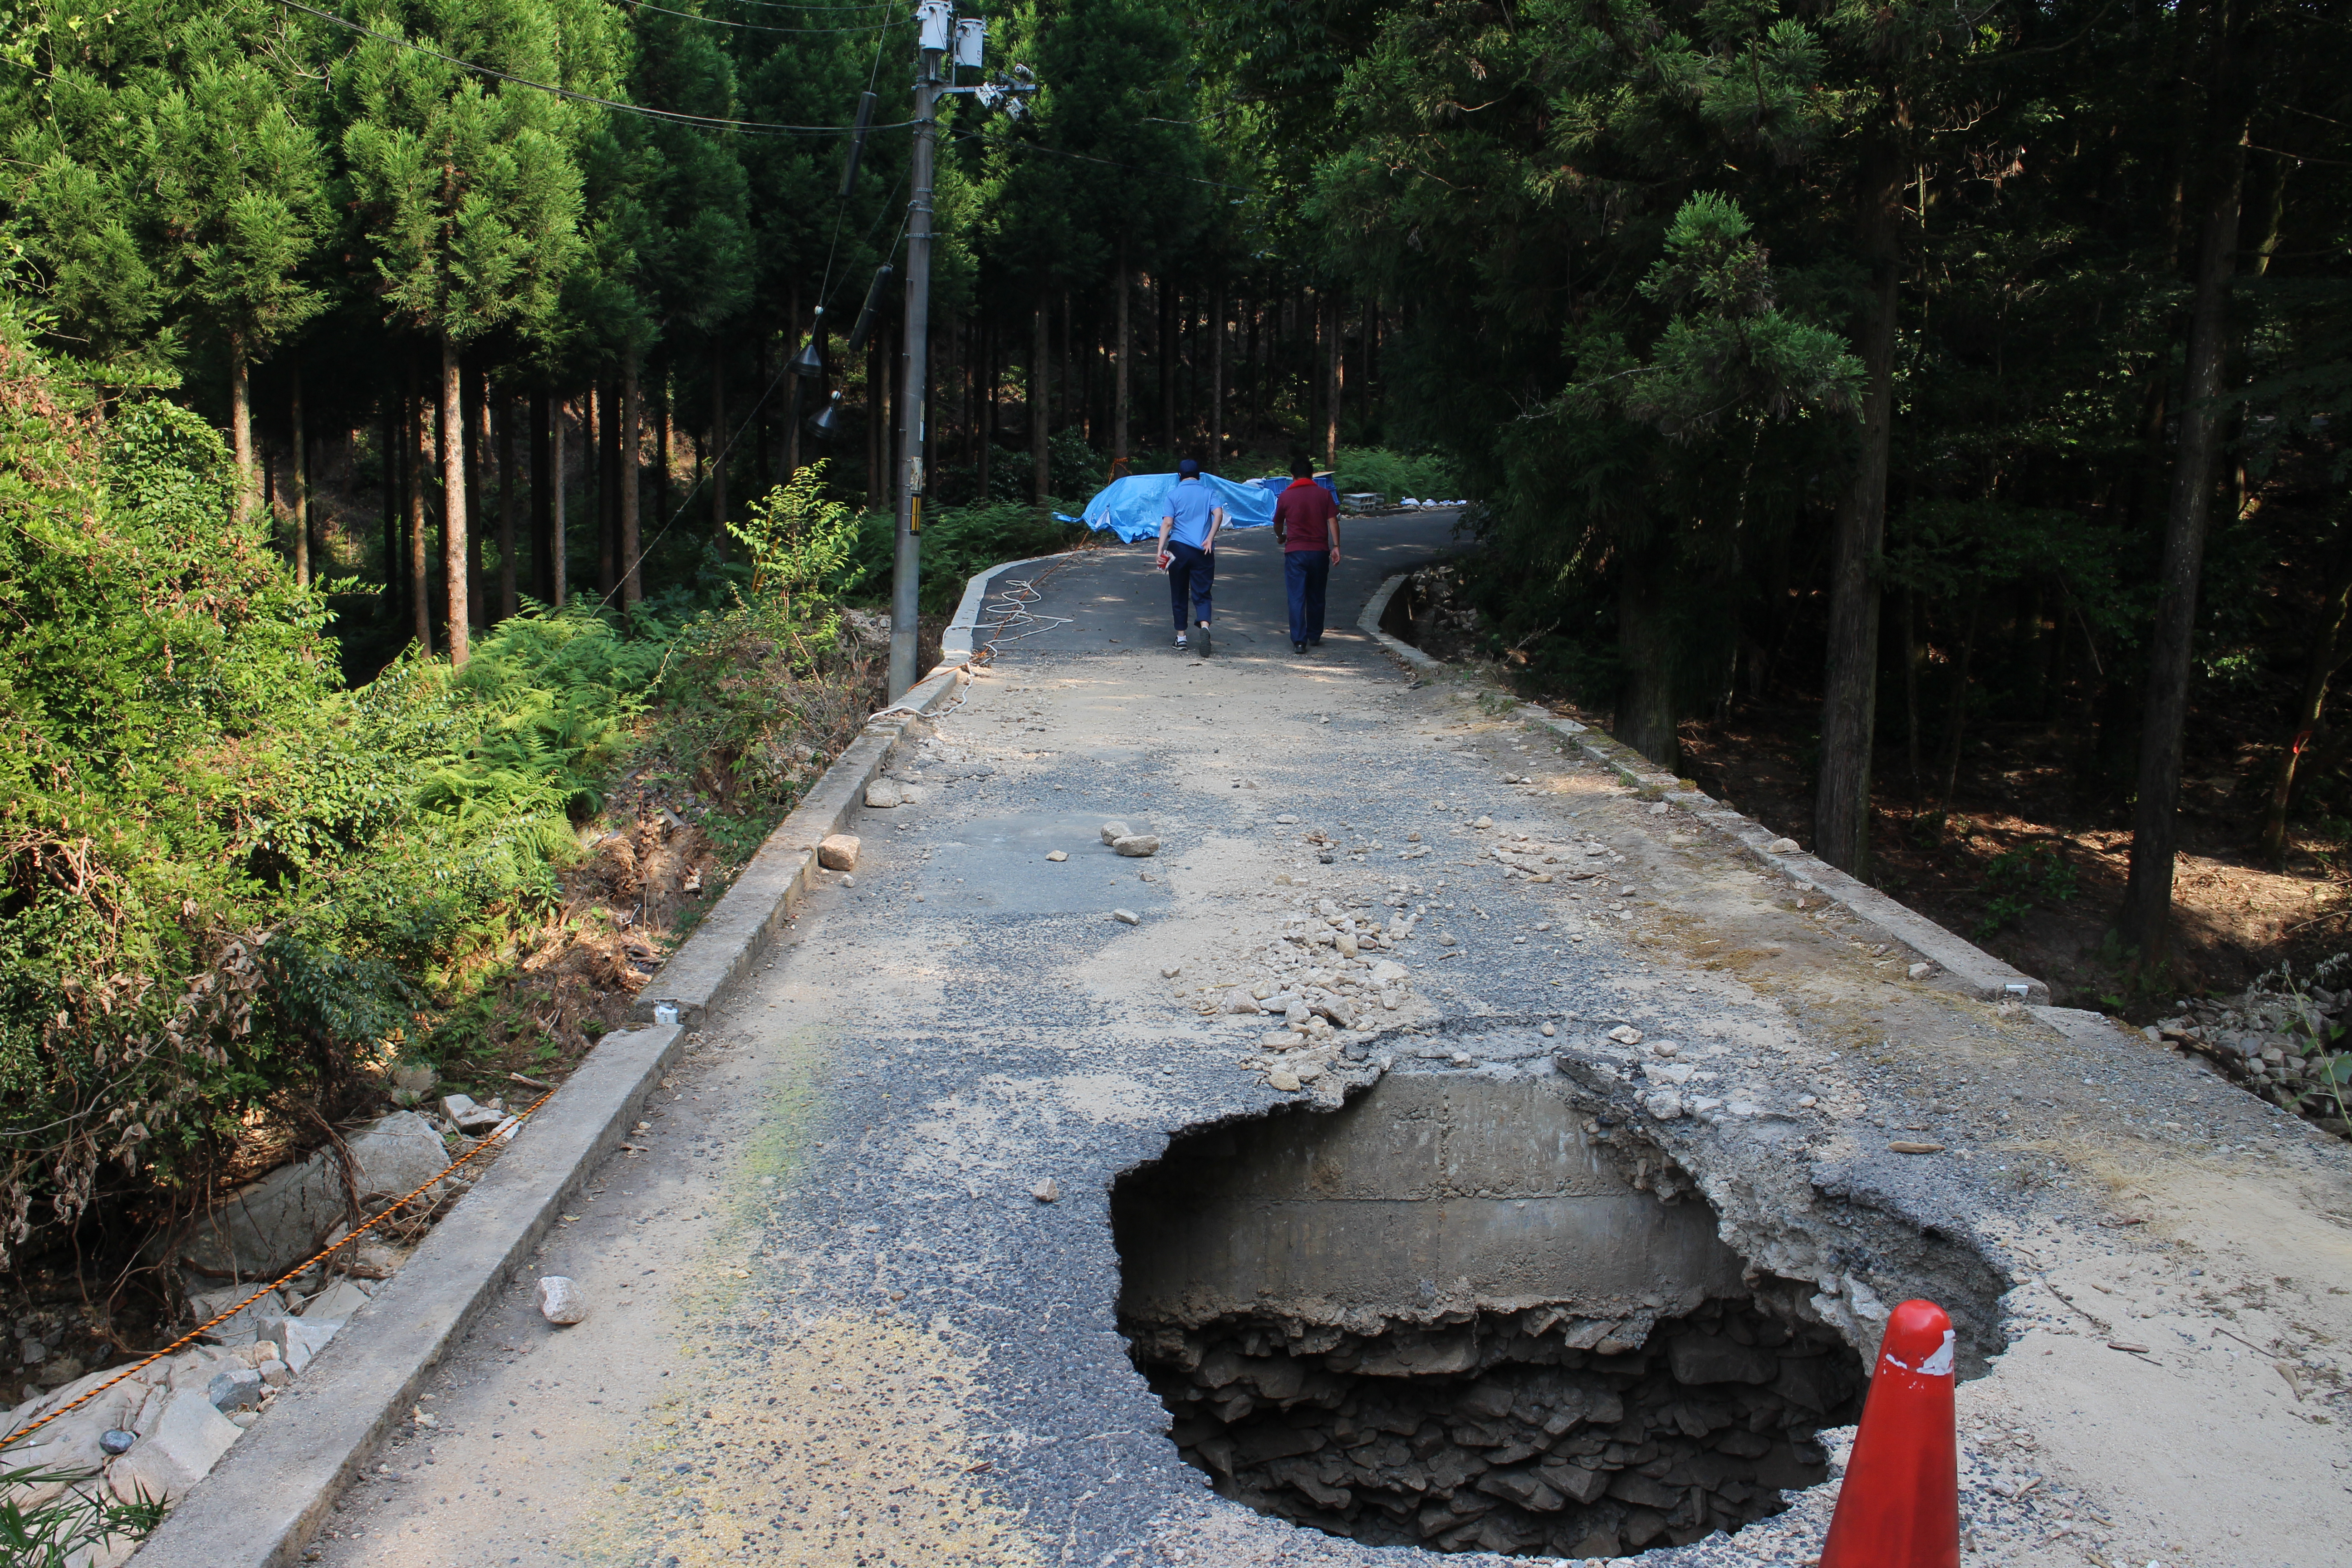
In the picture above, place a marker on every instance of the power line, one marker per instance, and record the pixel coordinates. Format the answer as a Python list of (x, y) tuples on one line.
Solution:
[(754, 127), (1089, 158), (764, 27)]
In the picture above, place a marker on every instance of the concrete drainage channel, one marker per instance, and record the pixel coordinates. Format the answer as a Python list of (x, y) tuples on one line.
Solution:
[(1475, 1312)]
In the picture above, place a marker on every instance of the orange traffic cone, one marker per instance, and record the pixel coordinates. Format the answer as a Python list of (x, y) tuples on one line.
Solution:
[(1901, 1504)]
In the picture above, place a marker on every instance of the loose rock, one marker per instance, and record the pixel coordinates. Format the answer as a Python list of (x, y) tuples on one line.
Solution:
[(1626, 1034), (1781, 846), (561, 1301), (1921, 971), (882, 795), (838, 852), (1127, 917), (1112, 832), (1057, 855), (1046, 1192), (1136, 845)]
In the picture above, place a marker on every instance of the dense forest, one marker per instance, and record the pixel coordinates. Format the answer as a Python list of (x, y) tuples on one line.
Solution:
[(406, 398)]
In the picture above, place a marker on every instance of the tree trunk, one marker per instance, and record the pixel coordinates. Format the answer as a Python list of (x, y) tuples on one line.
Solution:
[(986, 413), (1911, 690), (477, 416), (2146, 921), (390, 445), (453, 497), (240, 426), (2329, 650), (1040, 356), (1217, 374), (301, 478), (509, 601), (608, 492), (559, 570), (1956, 712), (632, 582), (419, 466), (664, 433), (1335, 389), (719, 446), (1164, 296), (1849, 689), (1118, 385), (543, 509), (1645, 646)]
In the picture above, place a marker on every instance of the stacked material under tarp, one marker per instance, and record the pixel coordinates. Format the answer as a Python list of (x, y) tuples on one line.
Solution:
[(1131, 508)]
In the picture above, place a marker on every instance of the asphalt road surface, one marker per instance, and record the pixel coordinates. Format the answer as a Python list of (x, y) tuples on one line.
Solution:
[(834, 1324)]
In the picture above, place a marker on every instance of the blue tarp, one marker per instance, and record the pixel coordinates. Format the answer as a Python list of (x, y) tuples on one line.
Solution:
[(1132, 507)]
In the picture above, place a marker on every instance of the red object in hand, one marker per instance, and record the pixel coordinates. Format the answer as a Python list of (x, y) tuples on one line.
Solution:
[(1900, 1506), (1165, 560)]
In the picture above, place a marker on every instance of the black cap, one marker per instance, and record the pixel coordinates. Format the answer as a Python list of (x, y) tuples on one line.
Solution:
[(1187, 469)]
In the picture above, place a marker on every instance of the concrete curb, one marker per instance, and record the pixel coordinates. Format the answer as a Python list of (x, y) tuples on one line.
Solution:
[(955, 642), (1983, 974), (1369, 622), (735, 932), (270, 1493)]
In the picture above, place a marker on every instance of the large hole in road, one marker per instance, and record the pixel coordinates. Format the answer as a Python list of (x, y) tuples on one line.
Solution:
[(1440, 1317)]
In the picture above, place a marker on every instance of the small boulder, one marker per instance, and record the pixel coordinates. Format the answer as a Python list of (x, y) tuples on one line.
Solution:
[(838, 852), (1112, 832), (561, 1301), (467, 1116), (1127, 917), (1046, 1192), (336, 1302), (1921, 971), (882, 795), (1781, 846), (1664, 1104), (238, 1388), (1057, 856), (1136, 845)]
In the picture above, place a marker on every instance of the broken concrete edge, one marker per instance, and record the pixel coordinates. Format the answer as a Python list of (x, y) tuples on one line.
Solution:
[(737, 931), (264, 1500), (1972, 966), (955, 642), (1369, 622), (1987, 976)]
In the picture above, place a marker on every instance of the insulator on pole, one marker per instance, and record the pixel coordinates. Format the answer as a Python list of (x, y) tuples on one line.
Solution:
[(865, 102), (808, 362), (865, 317), (830, 422)]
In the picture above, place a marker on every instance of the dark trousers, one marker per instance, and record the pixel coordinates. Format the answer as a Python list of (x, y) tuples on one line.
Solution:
[(1190, 573), (1307, 573)]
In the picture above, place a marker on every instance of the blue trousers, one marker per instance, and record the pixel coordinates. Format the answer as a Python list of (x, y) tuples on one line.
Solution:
[(1190, 575), (1307, 573)]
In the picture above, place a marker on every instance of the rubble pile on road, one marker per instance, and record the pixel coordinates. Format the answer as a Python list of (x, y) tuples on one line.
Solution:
[(1531, 1432), (2288, 1042)]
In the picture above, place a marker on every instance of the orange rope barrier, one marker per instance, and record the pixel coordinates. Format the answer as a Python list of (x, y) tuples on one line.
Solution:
[(389, 1209)]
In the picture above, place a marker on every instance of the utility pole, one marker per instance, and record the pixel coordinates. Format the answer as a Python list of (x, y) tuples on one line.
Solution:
[(937, 30), (932, 22)]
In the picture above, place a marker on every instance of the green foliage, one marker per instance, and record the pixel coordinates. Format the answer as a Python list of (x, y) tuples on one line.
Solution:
[(1426, 476), (2017, 881), (72, 1526), (224, 880), (957, 542)]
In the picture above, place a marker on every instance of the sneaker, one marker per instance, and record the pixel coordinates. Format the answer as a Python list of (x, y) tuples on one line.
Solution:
[(1202, 645), (1179, 639), (1298, 648)]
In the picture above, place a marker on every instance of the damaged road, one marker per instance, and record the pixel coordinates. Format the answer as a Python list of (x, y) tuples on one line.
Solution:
[(856, 1285)]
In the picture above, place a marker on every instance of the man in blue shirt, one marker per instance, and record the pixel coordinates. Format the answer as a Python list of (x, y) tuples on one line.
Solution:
[(1188, 543)]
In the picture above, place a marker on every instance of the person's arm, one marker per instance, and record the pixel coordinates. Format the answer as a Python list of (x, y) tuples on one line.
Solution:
[(1334, 526), (1216, 522), (1165, 524), (1281, 524)]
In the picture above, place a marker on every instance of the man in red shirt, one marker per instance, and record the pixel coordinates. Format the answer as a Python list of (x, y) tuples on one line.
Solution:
[(1307, 526)]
